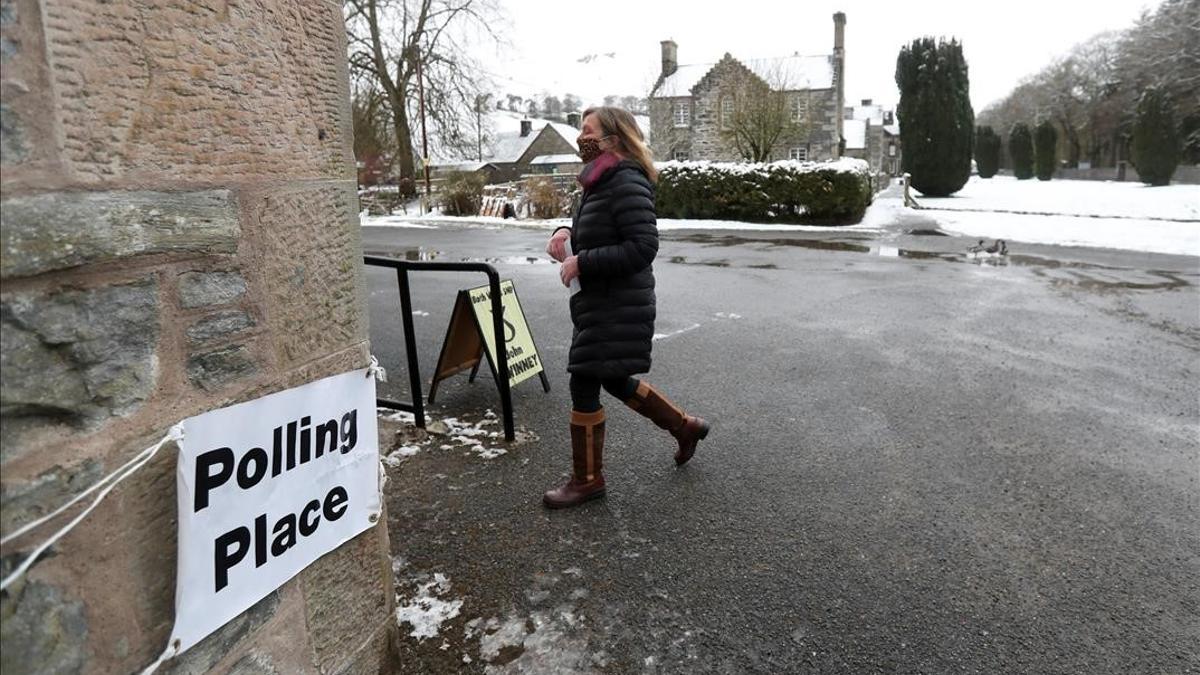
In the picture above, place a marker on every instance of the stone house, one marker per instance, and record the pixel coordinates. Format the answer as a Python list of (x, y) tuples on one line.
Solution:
[(872, 133), (692, 106), (514, 153)]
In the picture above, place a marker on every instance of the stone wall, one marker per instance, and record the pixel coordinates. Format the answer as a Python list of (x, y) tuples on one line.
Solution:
[(179, 234), (703, 138)]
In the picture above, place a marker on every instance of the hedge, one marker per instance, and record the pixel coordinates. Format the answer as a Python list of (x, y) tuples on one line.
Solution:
[(830, 193)]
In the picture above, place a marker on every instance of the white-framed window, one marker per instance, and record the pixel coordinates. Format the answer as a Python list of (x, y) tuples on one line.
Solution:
[(680, 156), (683, 113), (800, 154), (727, 106), (800, 107)]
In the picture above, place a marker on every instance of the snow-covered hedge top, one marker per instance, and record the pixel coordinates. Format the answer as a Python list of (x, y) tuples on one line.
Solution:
[(845, 164)]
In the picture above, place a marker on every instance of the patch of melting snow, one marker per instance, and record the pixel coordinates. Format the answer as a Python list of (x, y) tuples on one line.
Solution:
[(420, 312), (481, 437), (395, 415), (727, 315), (426, 612), (396, 456)]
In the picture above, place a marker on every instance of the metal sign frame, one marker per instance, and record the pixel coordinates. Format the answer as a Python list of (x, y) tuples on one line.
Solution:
[(403, 267)]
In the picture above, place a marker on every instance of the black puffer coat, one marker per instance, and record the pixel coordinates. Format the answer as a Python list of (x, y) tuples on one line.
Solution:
[(615, 236)]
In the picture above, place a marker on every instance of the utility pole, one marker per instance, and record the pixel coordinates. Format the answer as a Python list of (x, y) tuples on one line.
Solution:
[(479, 124), (421, 104)]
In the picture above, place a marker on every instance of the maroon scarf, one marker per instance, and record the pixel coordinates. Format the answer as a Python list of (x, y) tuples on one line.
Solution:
[(595, 170)]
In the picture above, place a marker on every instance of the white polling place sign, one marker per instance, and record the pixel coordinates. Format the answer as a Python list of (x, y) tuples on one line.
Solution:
[(265, 488)]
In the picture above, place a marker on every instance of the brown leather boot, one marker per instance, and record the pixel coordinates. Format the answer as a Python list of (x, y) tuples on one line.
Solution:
[(587, 451), (650, 403)]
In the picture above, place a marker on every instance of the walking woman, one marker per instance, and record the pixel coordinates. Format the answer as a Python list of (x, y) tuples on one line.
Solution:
[(614, 238)]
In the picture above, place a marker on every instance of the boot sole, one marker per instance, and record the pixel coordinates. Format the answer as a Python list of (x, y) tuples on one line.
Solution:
[(565, 505), (703, 435)]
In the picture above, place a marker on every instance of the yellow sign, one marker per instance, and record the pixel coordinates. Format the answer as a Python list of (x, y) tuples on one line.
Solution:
[(522, 356)]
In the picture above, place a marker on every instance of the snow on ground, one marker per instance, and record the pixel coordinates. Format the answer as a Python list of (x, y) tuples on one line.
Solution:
[(479, 437), (1073, 198), (1151, 236), (426, 612), (432, 220), (1101, 214)]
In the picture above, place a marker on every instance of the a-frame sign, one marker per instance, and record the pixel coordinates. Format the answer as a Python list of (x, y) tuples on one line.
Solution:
[(469, 337)]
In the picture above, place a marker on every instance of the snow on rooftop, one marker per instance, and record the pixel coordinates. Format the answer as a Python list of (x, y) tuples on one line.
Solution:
[(680, 82), (556, 159), (506, 144), (793, 72)]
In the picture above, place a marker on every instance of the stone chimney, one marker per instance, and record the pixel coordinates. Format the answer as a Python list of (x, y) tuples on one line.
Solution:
[(526, 127), (839, 67), (573, 118), (670, 57)]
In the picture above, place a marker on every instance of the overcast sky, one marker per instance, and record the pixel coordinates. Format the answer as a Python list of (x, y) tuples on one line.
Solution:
[(1003, 41)]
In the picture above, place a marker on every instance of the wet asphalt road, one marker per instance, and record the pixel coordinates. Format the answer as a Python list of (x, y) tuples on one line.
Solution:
[(919, 463)]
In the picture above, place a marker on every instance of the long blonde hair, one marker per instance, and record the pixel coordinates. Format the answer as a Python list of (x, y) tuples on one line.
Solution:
[(620, 123)]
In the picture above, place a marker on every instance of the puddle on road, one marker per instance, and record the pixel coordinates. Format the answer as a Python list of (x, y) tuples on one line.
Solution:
[(1061, 273), (682, 260)]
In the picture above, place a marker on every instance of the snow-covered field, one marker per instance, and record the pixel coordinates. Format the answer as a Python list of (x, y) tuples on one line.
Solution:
[(1074, 198), (1102, 214)]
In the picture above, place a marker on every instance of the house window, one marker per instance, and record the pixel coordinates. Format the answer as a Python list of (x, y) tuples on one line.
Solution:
[(683, 114), (680, 156), (727, 112), (800, 111), (800, 154)]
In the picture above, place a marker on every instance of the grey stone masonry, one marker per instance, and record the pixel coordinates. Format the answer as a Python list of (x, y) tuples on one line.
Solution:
[(219, 325), (78, 354), (212, 370), (202, 289), (55, 231)]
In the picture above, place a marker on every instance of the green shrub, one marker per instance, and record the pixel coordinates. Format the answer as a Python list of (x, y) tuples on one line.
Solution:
[(837, 192), (1020, 150), (987, 151), (937, 122), (1045, 141), (462, 194), (1156, 144)]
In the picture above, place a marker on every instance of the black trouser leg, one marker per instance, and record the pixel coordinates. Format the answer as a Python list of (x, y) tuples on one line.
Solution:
[(585, 391)]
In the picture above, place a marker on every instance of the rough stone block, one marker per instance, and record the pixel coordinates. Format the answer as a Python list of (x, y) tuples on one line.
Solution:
[(200, 659), (77, 355), (313, 272), (12, 138), (43, 630), (8, 13), (201, 289), (263, 81), (253, 664), (23, 501), (212, 370), (220, 325), (346, 597), (54, 231)]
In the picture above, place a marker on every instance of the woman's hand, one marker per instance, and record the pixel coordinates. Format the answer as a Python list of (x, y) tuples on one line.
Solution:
[(557, 246), (569, 270)]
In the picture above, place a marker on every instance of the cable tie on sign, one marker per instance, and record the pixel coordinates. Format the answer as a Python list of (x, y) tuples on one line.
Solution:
[(377, 370), (108, 483)]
